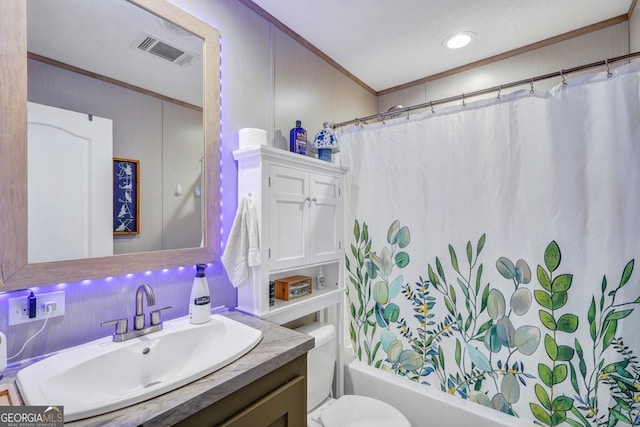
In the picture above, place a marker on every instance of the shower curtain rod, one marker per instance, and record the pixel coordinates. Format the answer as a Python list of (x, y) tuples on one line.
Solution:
[(562, 73)]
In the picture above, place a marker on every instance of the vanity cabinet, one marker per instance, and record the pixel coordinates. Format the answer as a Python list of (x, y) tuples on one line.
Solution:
[(277, 399)]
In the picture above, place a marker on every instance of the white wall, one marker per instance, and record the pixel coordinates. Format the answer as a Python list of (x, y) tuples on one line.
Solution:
[(595, 46)]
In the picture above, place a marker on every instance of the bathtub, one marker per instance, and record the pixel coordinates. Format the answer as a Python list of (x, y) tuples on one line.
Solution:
[(422, 405)]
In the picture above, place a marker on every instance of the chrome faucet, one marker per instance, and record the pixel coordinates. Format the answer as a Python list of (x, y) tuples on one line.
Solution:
[(139, 329), (138, 319)]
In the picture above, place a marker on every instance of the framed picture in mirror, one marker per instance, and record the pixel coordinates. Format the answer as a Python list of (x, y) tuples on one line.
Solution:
[(126, 196)]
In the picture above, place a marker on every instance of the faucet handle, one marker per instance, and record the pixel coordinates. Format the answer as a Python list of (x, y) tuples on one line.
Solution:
[(121, 325), (155, 315)]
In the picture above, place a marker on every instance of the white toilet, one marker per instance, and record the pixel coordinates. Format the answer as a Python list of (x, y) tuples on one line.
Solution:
[(349, 410)]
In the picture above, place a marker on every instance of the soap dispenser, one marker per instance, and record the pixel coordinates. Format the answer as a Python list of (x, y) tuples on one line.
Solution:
[(320, 280), (200, 303)]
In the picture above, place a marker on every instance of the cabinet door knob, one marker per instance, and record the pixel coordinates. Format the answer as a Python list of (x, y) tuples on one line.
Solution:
[(308, 199), (314, 200)]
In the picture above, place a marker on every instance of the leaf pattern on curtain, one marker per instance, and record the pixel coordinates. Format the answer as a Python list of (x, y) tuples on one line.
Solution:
[(477, 340)]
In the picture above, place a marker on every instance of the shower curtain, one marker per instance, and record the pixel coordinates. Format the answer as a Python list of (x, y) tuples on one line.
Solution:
[(491, 249)]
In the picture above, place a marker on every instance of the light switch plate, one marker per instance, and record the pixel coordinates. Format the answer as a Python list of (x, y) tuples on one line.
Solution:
[(18, 307)]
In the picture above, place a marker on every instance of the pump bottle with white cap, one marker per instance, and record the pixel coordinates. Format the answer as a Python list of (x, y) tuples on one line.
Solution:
[(200, 303)]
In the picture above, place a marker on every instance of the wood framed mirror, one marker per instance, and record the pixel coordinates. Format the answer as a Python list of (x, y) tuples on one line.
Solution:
[(16, 272)]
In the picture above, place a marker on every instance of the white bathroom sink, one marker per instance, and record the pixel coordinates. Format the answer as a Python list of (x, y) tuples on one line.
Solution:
[(102, 375)]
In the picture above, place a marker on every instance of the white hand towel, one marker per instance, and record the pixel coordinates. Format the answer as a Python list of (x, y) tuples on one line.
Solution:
[(253, 253), (243, 246)]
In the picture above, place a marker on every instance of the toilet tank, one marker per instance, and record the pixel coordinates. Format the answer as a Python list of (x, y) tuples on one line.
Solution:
[(320, 362)]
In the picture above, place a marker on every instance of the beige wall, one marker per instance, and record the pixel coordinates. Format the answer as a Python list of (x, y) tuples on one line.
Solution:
[(157, 133), (268, 81), (182, 155), (634, 30), (309, 89), (596, 46)]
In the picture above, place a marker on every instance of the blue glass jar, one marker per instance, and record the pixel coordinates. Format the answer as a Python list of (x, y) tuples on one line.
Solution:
[(298, 139)]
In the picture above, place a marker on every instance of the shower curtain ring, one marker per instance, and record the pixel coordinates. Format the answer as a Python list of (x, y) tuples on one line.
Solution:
[(499, 90), (464, 105), (531, 91), (431, 105), (609, 73), (564, 82)]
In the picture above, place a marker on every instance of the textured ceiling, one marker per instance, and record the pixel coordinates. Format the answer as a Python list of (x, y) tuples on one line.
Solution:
[(389, 43)]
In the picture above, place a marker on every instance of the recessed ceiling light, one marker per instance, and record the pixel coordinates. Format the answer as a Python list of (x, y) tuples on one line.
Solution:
[(458, 40)]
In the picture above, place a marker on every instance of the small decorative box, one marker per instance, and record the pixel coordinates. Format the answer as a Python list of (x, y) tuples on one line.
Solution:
[(292, 287)]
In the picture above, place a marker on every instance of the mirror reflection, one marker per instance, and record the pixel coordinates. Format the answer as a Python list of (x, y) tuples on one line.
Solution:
[(115, 135)]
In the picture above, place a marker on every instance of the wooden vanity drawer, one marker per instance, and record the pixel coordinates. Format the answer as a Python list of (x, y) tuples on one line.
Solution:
[(280, 408), (276, 399)]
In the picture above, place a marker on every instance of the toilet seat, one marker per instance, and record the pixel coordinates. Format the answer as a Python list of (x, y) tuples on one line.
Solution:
[(355, 411)]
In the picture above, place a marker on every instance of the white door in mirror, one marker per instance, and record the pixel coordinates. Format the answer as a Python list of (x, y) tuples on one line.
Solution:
[(70, 209)]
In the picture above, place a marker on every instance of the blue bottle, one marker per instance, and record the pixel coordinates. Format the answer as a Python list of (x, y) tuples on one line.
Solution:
[(298, 139)]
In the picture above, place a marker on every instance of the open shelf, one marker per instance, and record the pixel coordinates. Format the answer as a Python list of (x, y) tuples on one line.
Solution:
[(286, 311)]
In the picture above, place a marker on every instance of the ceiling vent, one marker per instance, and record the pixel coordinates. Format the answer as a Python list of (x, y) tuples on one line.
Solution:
[(163, 49)]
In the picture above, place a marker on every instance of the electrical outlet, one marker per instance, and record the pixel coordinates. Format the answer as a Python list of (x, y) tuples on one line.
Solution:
[(18, 307)]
